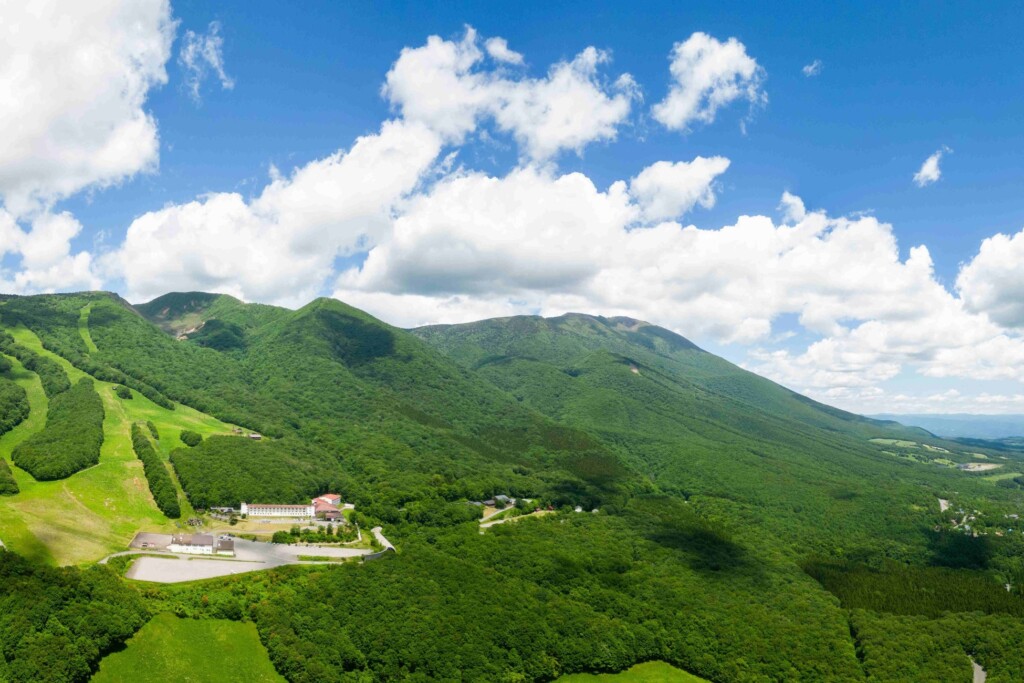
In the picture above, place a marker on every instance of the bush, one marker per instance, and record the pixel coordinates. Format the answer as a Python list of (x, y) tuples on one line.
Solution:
[(8, 486), (190, 438), (123, 392), (71, 439), (152, 429), (160, 483)]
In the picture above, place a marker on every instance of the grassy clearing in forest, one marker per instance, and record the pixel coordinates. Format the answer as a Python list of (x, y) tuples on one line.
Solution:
[(172, 649), (648, 672)]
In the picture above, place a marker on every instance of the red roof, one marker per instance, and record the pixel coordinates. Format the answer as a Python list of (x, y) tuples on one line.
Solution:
[(321, 506)]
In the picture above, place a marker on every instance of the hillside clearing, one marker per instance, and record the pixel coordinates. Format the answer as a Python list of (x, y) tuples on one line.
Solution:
[(172, 649), (648, 672)]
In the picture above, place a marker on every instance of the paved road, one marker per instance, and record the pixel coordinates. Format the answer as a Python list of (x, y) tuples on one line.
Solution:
[(385, 543), (250, 556)]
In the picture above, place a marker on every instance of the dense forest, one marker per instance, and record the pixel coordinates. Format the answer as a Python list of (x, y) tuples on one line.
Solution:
[(72, 438), (13, 404), (159, 479), (225, 470), (56, 624), (725, 524)]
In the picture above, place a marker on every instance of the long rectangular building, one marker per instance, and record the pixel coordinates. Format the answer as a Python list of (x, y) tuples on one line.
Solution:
[(276, 510)]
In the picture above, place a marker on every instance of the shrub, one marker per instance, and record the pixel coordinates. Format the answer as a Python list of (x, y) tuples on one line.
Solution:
[(123, 392), (8, 486), (190, 438), (152, 429)]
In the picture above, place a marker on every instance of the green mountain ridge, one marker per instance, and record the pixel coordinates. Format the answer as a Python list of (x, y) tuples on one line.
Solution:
[(743, 532)]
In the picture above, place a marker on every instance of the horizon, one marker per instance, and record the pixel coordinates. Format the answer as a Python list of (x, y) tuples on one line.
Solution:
[(804, 198)]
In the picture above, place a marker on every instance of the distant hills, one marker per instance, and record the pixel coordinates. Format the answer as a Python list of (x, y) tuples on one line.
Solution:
[(955, 425)]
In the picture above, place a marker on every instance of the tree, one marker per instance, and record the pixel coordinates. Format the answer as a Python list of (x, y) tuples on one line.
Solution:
[(190, 438)]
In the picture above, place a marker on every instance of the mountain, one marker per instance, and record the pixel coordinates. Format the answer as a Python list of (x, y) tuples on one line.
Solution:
[(680, 508), (699, 425), (952, 425)]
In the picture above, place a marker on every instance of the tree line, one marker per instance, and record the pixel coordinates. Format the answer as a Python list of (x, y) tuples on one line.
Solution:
[(51, 374), (160, 483)]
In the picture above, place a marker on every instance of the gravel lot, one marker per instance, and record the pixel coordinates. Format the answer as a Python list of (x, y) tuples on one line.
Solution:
[(250, 556)]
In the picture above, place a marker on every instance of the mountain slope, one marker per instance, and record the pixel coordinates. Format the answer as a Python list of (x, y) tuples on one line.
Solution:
[(379, 404), (702, 427)]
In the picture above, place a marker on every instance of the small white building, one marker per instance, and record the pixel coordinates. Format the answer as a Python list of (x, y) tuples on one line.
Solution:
[(276, 510), (201, 544)]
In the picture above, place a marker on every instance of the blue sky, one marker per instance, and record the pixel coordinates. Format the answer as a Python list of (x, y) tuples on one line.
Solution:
[(896, 84)]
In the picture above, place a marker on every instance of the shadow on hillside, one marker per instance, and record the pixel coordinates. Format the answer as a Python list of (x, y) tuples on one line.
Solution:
[(960, 551), (704, 549)]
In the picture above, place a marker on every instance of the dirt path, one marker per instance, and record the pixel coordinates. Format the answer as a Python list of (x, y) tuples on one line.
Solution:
[(979, 673), (943, 504)]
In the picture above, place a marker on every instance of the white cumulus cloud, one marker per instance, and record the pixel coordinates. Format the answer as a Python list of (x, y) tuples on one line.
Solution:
[(447, 86), (281, 245), (75, 77), (708, 75), (993, 281), (668, 190)]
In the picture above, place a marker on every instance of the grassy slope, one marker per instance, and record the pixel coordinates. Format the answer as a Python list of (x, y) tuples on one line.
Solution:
[(172, 649), (648, 672), (96, 511)]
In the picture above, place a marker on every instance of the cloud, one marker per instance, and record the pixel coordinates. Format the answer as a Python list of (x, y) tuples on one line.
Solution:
[(813, 69), (497, 48), (930, 171), (47, 264), (793, 209), (993, 281), (447, 86), (281, 245), (201, 55), (76, 77), (708, 75), (668, 190)]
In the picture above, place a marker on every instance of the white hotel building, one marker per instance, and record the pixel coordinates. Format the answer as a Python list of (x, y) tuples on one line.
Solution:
[(275, 510)]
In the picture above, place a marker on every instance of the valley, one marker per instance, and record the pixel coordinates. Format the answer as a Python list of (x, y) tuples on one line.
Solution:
[(667, 506)]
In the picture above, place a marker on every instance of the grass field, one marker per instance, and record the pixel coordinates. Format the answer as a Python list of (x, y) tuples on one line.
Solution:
[(96, 511), (1001, 476), (83, 329), (173, 649), (648, 672)]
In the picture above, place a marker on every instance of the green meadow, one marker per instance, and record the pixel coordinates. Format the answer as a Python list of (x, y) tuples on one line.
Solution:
[(169, 648), (648, 672)]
